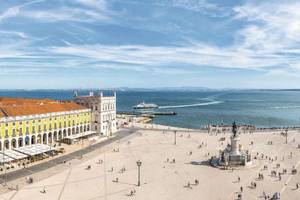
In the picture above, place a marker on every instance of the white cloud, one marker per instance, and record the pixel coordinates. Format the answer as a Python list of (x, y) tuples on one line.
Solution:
[(66, 42), (95, 10), (66, 14), (11, 12), (14, 11), (272, 29), (269, 39), (202, 6), (98, 4), (195, 5), (279, 22), (262, 43), (282, 73), (13, 33), (10, 53), (198, 55)]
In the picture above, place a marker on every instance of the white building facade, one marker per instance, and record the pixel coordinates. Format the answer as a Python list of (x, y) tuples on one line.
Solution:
[(103, 112)]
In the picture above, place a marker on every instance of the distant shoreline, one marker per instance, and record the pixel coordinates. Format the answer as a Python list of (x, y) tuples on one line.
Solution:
[(163, 89)]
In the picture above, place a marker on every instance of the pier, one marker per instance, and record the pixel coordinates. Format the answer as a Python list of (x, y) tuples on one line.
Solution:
[(148, 113)]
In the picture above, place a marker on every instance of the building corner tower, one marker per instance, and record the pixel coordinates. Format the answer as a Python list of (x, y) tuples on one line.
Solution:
[(103, 112)]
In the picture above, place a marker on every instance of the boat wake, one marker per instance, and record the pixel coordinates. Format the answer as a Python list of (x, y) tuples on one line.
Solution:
[(192, 105), (285, 107)]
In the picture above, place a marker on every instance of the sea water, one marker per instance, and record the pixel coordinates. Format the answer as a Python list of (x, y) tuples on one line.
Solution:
[(195, 109)]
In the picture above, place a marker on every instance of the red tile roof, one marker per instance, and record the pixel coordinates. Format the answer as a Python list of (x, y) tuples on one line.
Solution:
[(21, 106)]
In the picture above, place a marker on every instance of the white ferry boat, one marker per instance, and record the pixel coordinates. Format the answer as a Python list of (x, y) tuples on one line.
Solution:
[(144, 105)]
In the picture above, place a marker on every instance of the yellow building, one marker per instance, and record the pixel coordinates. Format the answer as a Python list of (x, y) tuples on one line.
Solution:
[(24, 122)]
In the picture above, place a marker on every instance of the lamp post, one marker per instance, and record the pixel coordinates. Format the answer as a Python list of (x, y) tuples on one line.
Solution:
[(286, 136), (175, 137), (139, 164)]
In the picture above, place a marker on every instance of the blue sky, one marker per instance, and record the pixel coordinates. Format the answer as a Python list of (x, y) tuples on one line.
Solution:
[(149, 43)]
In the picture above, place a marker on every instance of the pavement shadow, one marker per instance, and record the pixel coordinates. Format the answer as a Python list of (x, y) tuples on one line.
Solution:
[(206, 163), (125, 183)]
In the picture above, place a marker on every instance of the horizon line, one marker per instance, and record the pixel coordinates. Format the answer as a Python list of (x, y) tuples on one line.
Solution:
[(143, 88)]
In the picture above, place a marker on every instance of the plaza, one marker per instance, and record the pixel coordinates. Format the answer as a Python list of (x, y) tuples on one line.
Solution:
[(170, 171)]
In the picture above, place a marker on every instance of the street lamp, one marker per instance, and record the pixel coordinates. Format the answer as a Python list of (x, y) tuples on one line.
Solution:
[(175, 137), (139, 164), (286, 136)]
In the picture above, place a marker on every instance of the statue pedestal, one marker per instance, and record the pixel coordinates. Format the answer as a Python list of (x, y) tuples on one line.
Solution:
[(235, 146), (233, 154)]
